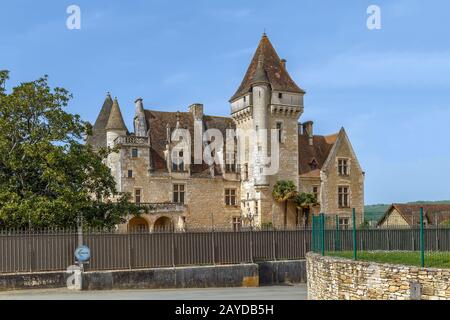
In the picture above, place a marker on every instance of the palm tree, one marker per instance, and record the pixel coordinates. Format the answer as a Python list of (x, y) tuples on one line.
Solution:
[(283, 191), (305, 201)]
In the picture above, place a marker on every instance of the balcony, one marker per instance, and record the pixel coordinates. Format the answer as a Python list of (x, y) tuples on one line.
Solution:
[(130, 141), (162, 207)]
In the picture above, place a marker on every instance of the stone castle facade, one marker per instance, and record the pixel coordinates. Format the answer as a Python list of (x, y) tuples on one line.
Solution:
[(188, 192)]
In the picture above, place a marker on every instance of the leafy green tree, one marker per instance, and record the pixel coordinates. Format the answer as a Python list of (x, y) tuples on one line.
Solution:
[(48, 176), (304, 202), (283, 191)]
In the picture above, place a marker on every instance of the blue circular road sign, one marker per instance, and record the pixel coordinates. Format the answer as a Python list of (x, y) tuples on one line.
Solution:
[(82, 253)]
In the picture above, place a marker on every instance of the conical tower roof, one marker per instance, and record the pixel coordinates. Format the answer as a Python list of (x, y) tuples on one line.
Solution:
[(103, 116), (276, 73), (260, 75), (98, 137), (115, 121)]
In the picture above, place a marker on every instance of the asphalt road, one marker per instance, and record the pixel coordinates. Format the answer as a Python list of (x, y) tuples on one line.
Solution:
[(296, 292)]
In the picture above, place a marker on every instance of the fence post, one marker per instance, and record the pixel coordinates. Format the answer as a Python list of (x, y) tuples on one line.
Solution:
[(173, 246), (274, 245), (337, 235), (213, 244), (251, 243), (422, 243), (313, 234), (354, 233), (322, 234), (130, 258)]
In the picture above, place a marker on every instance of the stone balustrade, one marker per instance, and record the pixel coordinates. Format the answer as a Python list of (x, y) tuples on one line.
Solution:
[(130, 140), (163, 207)]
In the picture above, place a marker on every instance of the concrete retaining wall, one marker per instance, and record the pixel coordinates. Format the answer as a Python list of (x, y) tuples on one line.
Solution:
[(282, 272), (41, 280), (242, 275), (237, 275), (332, 278)]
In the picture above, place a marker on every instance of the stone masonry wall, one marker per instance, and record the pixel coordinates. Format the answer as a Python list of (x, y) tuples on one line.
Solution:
[(331, 180), (332, 278)]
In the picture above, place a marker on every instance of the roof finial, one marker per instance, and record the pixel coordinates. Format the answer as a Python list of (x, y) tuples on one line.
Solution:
[(264, 33)]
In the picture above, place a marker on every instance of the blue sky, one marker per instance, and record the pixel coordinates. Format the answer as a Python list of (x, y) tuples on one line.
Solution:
[(389, 88)]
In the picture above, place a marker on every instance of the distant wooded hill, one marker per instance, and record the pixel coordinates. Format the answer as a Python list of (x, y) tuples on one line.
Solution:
[(375, 211)]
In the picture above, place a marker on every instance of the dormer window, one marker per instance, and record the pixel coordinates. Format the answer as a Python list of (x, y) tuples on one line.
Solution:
[(177, 161), (313, 164)]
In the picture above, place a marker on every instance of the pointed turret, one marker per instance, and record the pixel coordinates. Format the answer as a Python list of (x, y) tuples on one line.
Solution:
[(260, 75), (98, 137), (275, 71), (115, 120)]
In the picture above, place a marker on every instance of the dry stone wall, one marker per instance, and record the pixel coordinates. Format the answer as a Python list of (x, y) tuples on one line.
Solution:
[(332, 278)]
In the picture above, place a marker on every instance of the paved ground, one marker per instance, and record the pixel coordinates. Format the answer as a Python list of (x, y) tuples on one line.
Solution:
[(297, 292)]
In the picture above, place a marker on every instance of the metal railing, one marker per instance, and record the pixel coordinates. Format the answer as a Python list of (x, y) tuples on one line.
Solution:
[(421, 245), (112, 250)]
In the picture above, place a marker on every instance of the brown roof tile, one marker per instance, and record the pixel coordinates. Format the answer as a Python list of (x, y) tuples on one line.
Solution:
[(433, 213), (157, 122), (317, 153), (276, 74)]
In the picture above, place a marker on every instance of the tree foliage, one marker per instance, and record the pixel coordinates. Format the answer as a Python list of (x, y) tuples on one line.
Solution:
[(283, 191), (305, 200), (48, 176)]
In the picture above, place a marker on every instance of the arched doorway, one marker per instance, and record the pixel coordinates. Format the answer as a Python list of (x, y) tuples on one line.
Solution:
[(163, 224), (138, 224)]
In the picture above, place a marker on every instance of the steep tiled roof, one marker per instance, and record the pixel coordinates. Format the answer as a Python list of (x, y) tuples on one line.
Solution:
[(433, 213), (157, 121), (275, 72), (98, 137), (317, 153)]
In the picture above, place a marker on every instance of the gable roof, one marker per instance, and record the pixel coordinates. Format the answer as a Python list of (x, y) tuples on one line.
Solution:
[(98, 137), (433, 213), (341, 138), (275, 72), (319, 152)]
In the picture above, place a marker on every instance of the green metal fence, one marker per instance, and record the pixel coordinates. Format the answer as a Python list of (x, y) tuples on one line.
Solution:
[(421, 245)]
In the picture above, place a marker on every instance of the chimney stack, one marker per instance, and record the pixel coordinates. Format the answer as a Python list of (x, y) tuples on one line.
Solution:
[(197, 111), (308, 131), (283, 63)]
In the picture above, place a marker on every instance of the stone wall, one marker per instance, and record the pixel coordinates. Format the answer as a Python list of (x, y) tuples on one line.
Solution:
[(332, 278), (331, 180)]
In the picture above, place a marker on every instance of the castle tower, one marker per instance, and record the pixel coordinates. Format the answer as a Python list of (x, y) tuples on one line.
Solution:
[(115, 128), (261, 95), (267, 98)]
